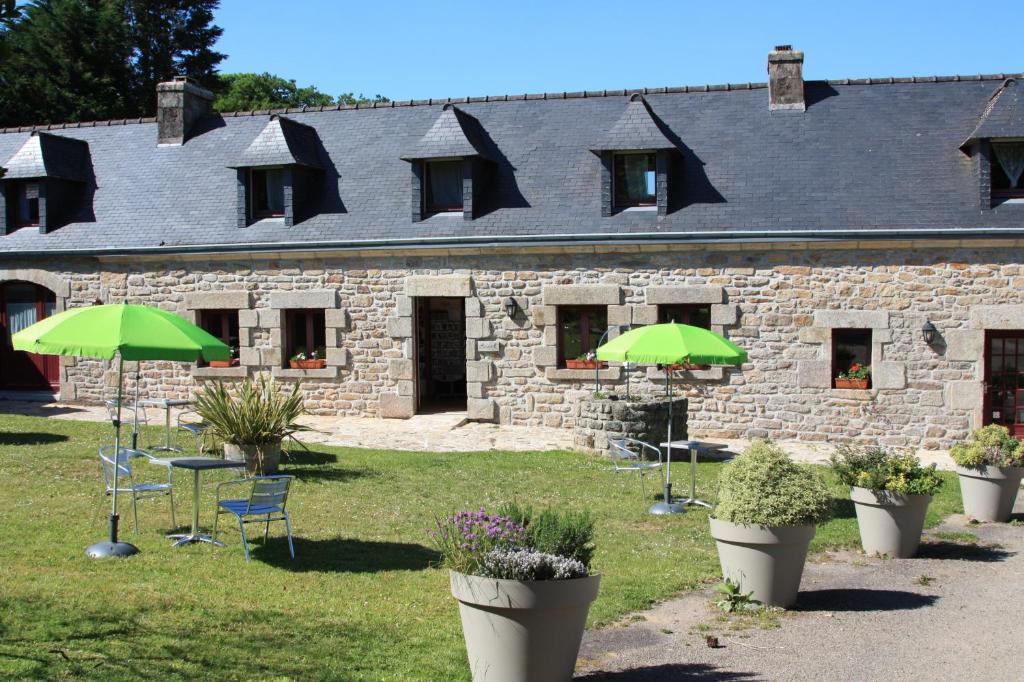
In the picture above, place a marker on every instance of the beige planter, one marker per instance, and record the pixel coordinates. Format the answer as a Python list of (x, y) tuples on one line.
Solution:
[(989, 493), (890, 523), (766, 561), (260, 459), (523, 631)]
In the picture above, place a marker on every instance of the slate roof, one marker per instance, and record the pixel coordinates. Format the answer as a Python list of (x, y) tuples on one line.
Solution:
[(878, 157), (45, 155), (455, 133), (282, 142), (635, 129), (1004, 114)]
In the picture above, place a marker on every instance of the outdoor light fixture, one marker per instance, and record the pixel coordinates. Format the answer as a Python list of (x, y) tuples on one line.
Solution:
[(511, 306), (928, 331)]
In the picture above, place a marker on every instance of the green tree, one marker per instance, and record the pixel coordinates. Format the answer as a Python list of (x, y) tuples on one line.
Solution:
[(169, 38), (350, 99), (67, 61), (250, 91)]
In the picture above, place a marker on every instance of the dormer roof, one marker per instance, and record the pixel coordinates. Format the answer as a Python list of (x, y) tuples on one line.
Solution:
[(282, 142), (1003, 116), (637, 128), (45, 155), (454, 134)]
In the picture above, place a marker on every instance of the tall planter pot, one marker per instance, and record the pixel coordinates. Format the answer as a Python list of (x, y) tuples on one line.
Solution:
[(261, 459), (890, 523), (764, 560), (989, 493), (523, 631)]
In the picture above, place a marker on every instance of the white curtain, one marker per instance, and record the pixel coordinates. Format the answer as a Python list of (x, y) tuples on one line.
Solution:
[(19, 316), (1011, 158)]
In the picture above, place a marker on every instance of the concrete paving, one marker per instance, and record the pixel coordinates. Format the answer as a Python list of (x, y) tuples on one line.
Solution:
[(953, 613)]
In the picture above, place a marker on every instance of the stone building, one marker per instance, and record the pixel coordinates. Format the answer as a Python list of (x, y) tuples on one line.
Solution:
[(457, 254)]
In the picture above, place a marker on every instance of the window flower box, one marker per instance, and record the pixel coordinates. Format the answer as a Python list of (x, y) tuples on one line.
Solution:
[(307, 364), (233, 362), (586, 364), (860, 384), (686, 366)]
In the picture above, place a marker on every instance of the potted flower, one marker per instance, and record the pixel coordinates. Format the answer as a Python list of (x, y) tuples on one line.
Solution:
[(233, 362), (524, 588), (891, 494), (768, 507), (303, 360), (858, 376), (586, 361), (686, 366), (990, 465), (253, 422)]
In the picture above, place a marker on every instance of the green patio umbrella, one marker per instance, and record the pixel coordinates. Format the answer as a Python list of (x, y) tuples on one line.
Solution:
[(671, 344), (131, 332)]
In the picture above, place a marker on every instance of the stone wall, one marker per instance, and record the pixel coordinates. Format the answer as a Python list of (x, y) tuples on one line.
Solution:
[(597, 420), (779, 304)]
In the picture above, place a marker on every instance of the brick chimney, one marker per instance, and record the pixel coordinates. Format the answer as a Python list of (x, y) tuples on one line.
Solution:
[(785, 79), (179, 104)]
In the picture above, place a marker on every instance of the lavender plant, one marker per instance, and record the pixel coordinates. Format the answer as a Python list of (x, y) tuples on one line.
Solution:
[(464, 538)]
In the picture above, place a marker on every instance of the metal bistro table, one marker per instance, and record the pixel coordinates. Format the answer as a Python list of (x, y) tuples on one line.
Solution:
[(197, 464), (694, 446), (166, 405)]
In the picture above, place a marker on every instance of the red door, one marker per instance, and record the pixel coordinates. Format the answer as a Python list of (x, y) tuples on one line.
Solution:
[(1004, 375), (23, 304)]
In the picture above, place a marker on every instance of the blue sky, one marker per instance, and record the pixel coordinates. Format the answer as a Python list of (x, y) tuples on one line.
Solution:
[(413, 50)]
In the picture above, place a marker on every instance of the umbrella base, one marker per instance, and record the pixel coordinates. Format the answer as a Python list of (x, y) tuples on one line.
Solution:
[(662, 508), (104, 549)]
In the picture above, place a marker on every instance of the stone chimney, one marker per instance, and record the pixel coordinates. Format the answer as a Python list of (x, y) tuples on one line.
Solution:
[(179, 104), (785, 79)]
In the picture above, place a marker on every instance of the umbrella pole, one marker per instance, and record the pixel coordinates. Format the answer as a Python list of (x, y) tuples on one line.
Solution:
[(135, 426), (668, 506), (114, 547)]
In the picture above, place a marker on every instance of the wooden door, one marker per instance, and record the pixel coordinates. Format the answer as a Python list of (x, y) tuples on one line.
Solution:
[(1004, 374), (23, 304)]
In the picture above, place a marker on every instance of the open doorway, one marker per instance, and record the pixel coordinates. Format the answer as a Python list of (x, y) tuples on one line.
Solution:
[(440, 354)]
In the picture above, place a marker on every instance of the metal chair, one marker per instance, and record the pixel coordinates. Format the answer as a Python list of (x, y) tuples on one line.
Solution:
[(628, 455), (266, 503), (136, 490), (189, 422)]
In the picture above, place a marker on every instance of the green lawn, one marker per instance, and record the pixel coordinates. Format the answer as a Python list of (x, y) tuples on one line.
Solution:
[(362, 600)]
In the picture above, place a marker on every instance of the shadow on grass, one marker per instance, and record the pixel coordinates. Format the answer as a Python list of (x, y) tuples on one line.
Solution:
[(669, 672), (300, 457), (942, 549), (30, 438), (843, 508), (342, 555), (857, 599)]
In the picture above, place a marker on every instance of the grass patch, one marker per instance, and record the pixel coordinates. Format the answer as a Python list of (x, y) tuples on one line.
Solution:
[(362, 601), (956, 536)]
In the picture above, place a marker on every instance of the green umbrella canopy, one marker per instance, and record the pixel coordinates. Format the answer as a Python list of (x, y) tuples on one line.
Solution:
[(138, 332), (669, 344)]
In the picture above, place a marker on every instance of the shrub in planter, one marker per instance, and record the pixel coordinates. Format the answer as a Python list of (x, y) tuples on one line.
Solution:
[(524, 588), (768, 507), (253, 422), (891, 494), (990, 466)]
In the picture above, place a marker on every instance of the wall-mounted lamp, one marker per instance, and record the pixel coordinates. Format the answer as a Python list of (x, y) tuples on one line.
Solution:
[(929, 332), (511, 306)]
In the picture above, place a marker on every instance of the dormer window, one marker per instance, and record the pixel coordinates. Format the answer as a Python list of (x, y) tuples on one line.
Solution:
[(267, 191), (442, 186), (1008, 170), (635, 180), (26, 204)]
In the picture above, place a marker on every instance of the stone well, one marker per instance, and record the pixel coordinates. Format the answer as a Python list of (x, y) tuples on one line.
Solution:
[(645, 420)]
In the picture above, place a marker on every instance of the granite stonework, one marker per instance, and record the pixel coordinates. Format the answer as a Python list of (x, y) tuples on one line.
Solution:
[(780, 303), (598, 419)]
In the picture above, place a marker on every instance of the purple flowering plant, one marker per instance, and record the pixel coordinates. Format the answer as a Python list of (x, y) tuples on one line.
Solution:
[(465, 538)]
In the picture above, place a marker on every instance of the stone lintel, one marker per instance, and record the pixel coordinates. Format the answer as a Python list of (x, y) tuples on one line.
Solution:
[(218, 300), (582, 294), (998, 317), (456, 286), (303, 298), (852, 319), (677, 294)]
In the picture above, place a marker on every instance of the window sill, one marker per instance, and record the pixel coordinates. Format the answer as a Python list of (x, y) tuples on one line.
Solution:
[(325, 373), (853, 393), (557, 374), (1007, 201), (636, 209), (226, 372)]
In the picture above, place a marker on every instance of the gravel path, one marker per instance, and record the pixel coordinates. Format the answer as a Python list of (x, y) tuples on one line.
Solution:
[(857, 618)]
